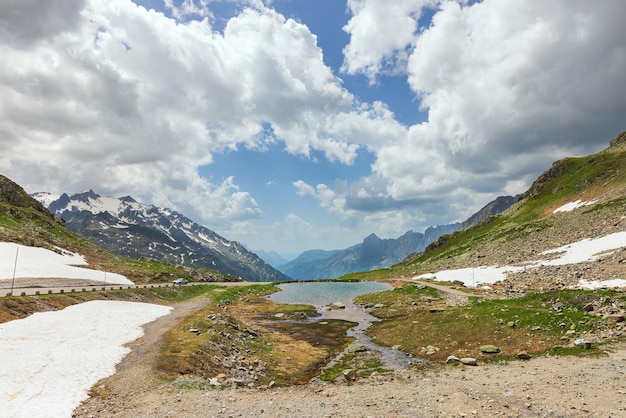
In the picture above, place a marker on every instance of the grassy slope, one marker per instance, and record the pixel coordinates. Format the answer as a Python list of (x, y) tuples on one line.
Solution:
[(24, 221)]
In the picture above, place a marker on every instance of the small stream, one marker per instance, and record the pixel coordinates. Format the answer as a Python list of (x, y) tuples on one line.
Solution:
[(321, 294)]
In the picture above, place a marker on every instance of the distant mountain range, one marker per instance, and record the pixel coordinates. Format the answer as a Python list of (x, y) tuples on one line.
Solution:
[(132, 229), (374, 252)]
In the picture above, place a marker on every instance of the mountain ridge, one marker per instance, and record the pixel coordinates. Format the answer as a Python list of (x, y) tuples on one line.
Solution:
[(137, 230), (374, 253), (576, 200)]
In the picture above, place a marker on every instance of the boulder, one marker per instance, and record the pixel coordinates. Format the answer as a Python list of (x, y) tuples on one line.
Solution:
[(356, 348), (489, 349), (349, 375), (523, 355), (469, 361)]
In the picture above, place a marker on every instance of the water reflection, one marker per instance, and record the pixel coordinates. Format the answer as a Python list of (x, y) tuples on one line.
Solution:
[(322, 294)]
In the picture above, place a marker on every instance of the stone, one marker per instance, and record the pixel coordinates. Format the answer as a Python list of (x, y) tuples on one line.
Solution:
[(581, 342), (349, 375), (452, 359), (279, 315), (615, 319), (523, 355), (469, 361), (338, 305), (356, 348), (489, 349), (430, 350), (379, 306)]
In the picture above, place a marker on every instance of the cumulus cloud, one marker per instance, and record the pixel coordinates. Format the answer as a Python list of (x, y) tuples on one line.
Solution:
[(509, 86), (109, 95), (380, 34)]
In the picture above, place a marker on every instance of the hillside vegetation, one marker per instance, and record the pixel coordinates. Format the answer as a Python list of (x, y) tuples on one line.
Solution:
[(26, 221), (531, 226)]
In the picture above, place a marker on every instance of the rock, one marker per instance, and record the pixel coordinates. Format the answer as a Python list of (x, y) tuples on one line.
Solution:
[(581, 342), (489, 349), (511, 324), (279, 315), (432, 310), (349, 375), (379, 306), (356, 348), (469, 361), (430, 350), (588, 307), (615, 319), (337, 305), (523, 355), (452, 359)]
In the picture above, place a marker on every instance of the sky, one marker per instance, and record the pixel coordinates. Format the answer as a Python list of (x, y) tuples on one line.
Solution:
[(290, 125)]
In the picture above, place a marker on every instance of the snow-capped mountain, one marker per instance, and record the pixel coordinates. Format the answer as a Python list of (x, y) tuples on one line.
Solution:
[(136, 230)]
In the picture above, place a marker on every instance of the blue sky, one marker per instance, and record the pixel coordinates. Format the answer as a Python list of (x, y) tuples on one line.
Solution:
[(290, 125)]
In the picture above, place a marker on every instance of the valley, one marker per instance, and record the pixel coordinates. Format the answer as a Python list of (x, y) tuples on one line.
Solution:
[(499, 316)]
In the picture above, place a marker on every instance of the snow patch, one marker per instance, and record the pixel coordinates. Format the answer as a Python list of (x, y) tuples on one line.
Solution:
[(577, 252), (34, 262), (568, 207), (51, 359)]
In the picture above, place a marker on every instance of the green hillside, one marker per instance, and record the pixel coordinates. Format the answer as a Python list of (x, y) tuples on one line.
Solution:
[(530, 226), (25, 221)]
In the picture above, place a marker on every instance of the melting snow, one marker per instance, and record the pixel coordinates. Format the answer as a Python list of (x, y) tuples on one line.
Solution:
[(33, 262), (51, 359), (568, 207), (577, 252)]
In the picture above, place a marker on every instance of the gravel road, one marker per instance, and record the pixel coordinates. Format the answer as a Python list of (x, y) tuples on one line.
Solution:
[(539, 387)]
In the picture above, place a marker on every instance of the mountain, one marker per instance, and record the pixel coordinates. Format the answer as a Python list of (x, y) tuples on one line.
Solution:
[(374, 252), (136, 230), (576, 203), (271, 257), (26, 221)]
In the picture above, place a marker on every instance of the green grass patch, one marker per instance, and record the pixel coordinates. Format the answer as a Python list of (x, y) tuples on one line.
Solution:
[(536, 323)]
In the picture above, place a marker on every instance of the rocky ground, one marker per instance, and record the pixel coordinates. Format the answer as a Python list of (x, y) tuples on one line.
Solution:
[(527, 244), (539, 387)]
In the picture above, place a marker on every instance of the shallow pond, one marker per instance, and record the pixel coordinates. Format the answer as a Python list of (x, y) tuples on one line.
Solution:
[(322, 294)]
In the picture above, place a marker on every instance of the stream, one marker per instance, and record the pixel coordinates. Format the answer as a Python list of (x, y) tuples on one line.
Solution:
[(322, 294)]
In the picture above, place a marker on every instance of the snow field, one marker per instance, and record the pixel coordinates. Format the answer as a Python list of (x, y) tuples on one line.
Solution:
[(51, 359)]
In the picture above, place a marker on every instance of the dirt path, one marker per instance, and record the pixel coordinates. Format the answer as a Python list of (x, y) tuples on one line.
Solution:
[(136, 374), (445, 289), (542, 387)]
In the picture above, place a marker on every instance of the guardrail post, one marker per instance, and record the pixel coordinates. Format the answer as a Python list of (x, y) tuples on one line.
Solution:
[(61, 291), (49, 292), (37, 292)]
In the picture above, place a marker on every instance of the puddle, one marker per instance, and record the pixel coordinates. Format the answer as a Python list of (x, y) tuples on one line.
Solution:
[(321, 294)]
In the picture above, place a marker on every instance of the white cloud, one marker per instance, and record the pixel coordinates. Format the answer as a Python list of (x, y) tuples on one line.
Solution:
[(509, 86), (303, 189), (380, 33), (111, 96)]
